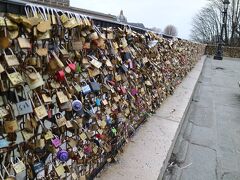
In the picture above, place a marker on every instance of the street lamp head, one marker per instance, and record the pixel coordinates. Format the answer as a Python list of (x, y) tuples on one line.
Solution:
[(225, 4)]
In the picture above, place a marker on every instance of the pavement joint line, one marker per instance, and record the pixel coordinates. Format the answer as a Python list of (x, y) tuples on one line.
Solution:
[(195, 123), (166, 118), (201, 145)]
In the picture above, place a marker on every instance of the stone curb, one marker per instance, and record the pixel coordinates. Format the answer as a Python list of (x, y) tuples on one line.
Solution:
[(162, 170)]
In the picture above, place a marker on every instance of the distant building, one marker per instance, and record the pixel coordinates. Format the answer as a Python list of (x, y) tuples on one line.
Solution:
[(141, 25), (121, 17)]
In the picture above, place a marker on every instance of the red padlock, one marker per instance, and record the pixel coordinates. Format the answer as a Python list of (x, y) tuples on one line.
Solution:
[(71, 65), (123, 90), (60, 75)]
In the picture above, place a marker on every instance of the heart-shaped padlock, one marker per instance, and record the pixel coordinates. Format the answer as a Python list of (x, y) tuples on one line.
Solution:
[(62, 155)]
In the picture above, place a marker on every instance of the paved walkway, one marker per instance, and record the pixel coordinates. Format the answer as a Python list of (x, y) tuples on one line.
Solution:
[(208, 147)]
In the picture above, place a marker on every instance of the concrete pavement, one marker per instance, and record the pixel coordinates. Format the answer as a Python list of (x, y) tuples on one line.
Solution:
[(208, 147)]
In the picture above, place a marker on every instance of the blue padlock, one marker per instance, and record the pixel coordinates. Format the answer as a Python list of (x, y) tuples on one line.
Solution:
[(98, 102), (76, 104), (86, 88)]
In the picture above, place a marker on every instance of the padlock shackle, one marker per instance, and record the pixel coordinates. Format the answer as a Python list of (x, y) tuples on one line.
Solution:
[(18, 159), (4, 51), (43, 126), (31, 67), (27, 12), (61, 115), (6, 169), (34, 10), (39, 100), (43, 12), (9, 105), (16, 95)]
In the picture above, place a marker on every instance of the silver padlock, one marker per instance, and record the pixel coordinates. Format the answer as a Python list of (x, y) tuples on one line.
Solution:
[(25, 106)]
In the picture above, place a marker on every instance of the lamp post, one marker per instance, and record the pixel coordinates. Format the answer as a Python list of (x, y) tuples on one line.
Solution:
[(219, 52)]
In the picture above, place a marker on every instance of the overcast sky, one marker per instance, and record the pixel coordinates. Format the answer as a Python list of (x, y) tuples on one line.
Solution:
[(152, 13)]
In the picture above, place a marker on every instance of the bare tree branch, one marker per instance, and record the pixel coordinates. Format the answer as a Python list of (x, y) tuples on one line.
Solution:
[(207, 23), (170, 30)]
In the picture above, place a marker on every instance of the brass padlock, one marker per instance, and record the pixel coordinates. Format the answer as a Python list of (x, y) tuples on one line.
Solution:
[(11, 125), (39, 110), (11, 58), (4, 85), (34, 79)]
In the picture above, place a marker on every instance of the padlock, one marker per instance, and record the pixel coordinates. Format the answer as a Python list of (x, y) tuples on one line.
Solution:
[(122, 90), (62, 97), (63, 155), (4, 41), (124, 68), (56, 142), (24, 43), (53, 17), (25, 106), (9, 176), (11, 59), (67, 106), (87, 149), (46, 96), (95, 86), (98, 102), (60, 76), (38, 167), (40, 144), (40, 111), (63, 52), (14, 77), (77, 87), (4, 143), (60, 119), (34, 79), (134, 91), (95, 62), (71, 65), (45, 24), (1, 68), (89, 111), (64, 18), (93, 36), (31, 60), (85, 88), (59, 169), (19, 166), (55, 63), (4, 85), (11, 125), (77, 105), (71, 22)]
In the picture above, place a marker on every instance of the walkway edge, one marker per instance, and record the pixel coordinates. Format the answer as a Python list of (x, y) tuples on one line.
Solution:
[(165, 164), (147, 154)]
